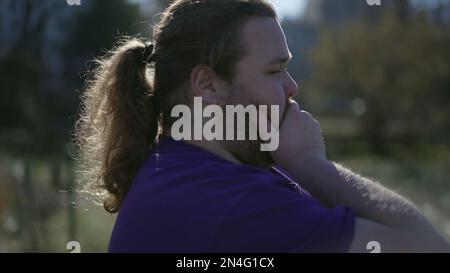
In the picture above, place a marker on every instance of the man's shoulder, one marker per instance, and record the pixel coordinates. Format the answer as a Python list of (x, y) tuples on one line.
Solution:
[(208, 173)]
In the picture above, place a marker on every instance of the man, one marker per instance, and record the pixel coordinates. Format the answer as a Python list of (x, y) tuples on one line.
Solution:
[(228, 195)]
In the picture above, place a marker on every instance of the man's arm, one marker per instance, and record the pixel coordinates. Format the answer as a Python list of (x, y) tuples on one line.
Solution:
[(382, 215)]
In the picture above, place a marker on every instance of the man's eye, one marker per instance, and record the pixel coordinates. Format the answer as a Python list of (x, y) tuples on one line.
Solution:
[(275, 72)]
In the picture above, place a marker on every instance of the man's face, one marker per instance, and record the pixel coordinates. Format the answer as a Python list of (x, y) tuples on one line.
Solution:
[(262, 73), (262, 77)]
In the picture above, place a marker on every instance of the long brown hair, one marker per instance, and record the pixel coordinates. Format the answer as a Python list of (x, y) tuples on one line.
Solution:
[(127, 101)]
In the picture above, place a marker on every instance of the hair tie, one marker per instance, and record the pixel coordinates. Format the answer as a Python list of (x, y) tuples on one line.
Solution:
[(148, 53)]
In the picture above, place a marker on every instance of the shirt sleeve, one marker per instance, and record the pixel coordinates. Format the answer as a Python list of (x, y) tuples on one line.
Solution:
[(271, 217)]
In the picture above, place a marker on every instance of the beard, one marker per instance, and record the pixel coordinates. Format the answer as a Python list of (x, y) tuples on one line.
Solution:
[(247, 151)]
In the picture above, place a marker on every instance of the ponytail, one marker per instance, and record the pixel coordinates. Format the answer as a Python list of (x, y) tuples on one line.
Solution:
[(118, 123), (122, 111)]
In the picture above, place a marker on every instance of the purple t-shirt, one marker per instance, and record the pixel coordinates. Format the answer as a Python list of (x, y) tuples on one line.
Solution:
[(186, 199)]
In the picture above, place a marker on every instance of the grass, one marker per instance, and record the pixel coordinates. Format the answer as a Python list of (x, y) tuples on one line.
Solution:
[(420, 173), (425, 183)]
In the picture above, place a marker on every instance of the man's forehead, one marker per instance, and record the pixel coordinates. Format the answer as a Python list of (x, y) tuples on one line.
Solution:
[(265, 40)]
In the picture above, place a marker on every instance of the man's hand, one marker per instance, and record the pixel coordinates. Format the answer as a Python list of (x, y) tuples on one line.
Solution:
[(382, 215), (300, 139)]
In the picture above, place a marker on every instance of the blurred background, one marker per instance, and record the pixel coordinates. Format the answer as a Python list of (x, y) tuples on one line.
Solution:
[(376, 77)]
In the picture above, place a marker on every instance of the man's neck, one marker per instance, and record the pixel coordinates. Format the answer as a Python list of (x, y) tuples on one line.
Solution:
[(214, 147)]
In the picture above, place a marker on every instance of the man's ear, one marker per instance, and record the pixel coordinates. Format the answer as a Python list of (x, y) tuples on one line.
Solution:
[(207, 84)]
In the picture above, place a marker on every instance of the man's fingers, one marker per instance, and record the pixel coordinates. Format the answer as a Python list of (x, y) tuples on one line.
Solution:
[(295, 106), (291, 111)]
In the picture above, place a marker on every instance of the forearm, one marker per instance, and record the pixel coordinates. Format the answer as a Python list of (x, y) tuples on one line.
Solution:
[(380, 212), (333, 185)]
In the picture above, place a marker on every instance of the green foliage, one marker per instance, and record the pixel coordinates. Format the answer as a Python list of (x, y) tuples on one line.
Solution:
[(44, 55), (400, 68), (98, 25)]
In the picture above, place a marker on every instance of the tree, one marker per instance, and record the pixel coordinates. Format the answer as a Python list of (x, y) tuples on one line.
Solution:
[(399, 67), (94, 29), (22, 67)]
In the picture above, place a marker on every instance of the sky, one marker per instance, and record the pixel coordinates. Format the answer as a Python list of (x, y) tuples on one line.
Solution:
[(286, 8), (290, 8)]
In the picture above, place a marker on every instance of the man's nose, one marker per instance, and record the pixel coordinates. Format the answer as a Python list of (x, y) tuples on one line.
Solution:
[(291, 87)]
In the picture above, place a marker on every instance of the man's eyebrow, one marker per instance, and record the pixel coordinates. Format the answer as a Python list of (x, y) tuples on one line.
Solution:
[(281, 60)]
